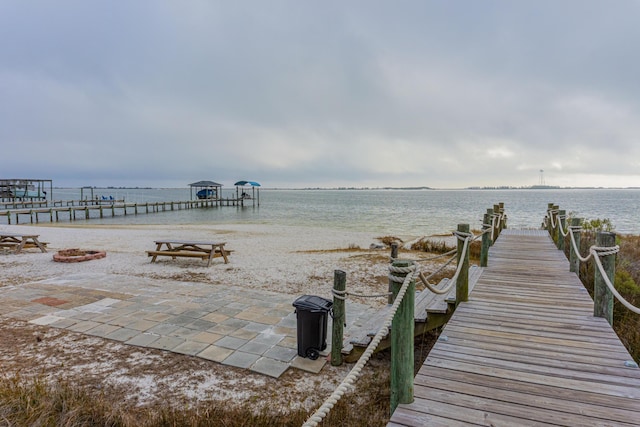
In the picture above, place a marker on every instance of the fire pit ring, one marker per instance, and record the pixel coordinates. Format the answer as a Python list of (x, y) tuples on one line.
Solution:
[(77, 255)]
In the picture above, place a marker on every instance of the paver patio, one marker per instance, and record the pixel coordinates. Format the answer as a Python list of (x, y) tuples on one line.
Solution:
[(235, 326)]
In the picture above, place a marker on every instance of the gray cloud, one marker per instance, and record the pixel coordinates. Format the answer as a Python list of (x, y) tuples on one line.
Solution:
[(443, 94)]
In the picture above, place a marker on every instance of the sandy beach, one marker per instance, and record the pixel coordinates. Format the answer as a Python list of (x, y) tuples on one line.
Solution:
[(292, 261)]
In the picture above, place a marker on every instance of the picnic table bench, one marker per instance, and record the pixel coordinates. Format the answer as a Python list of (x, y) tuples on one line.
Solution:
[(19, 241), (177, 248)]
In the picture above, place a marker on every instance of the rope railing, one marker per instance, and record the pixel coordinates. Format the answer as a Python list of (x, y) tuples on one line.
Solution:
[(466, 238), (595, 253), (402, 311), (356, 371), (610, 285)]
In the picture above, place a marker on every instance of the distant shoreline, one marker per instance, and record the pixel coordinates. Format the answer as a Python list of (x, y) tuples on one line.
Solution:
[(423, 188)]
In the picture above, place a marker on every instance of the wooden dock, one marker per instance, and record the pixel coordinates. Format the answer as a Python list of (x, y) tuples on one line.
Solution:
[(54, 211), (525, 350), (431, 311)]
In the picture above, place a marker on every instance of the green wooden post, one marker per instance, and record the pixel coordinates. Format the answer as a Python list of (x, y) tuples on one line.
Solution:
[(556, 209), (562, 222), (339, 285), (484, 251), (574, 262), (394, 256), (496, 233), (490, 222), (549, 227), (402, 331), (462, 284), (602, 296), (553, 214)]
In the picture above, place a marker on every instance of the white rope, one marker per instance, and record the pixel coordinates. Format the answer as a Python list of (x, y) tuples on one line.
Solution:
[(435, 256), (353, 294), (348, 381), (342, 295), (493, 227), (551, 212), (453, 280), (604, 275), (596, 252), (442, 267)]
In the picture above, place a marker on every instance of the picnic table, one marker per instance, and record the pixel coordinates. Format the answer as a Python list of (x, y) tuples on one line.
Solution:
[(20, 241), (177, 248)]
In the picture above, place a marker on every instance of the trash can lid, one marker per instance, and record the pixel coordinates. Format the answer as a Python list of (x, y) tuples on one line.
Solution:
[(313, 303)]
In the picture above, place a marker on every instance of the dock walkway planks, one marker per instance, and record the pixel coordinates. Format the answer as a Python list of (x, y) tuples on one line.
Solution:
[(525, 350)]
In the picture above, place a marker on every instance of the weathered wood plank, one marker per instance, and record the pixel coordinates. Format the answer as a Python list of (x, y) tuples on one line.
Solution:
[(526, 350)]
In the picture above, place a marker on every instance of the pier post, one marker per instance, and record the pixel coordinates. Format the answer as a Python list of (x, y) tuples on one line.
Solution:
[(503, 224), (462, 283), (562, 222), (496, 211), (549, 222), (574, 262), (484, 251), (402, 330), (337, 336), (602, 296), (394, 256), (490, 222), (556, 209)]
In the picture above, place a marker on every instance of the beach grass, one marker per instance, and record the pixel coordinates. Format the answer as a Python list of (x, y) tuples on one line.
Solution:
[(34, 401)]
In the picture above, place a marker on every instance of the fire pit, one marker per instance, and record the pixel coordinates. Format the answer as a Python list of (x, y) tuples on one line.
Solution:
[(77, 255)]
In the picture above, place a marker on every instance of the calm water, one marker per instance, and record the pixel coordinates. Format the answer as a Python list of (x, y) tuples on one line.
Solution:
[(399, 212)]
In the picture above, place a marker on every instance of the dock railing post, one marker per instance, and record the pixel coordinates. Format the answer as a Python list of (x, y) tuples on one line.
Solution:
[(503, 224), (484, 251), (497, 230), (339, 286), (462, 283), (402, 330), (574, 262), (490, 222), (562, 222), (550, 222), (602, 296), (556, 230), (553, 223), (394, 256)]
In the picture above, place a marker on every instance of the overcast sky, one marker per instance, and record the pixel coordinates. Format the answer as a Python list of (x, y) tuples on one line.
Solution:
[(444, 94)]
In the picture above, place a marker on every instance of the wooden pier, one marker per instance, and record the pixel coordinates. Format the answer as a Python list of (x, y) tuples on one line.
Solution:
[(35, 212), (525, 350)]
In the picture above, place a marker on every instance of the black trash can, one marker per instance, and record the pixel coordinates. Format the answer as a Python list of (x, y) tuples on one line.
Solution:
[(311, 316)]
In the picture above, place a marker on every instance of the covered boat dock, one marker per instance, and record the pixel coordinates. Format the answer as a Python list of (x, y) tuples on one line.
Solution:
[(255, 191), (35, 192)]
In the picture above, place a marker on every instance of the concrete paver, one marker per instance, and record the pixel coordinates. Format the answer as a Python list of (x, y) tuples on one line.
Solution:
[(221, 324)]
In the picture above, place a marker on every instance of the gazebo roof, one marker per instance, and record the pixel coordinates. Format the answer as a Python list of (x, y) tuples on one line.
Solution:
[(205, 184), (251, 183)]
